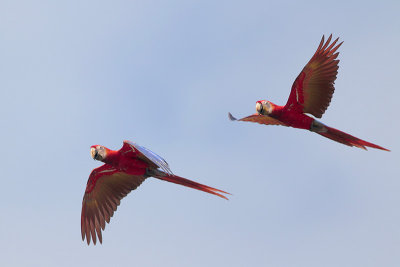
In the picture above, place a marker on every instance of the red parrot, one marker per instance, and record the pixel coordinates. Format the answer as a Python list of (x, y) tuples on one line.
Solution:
[(311, 93), (123, 171)]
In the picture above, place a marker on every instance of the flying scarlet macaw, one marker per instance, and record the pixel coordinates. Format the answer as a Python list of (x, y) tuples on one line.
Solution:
[(311, 93), (124, 170)]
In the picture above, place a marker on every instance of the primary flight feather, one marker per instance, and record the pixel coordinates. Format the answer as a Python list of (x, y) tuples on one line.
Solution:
[(123, 171), (311, 93)]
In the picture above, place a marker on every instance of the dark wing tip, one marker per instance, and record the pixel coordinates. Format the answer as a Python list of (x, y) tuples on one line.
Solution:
[(230, 116)]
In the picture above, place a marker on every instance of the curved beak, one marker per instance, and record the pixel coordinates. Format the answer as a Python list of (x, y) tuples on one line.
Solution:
[(259, 107), (93, 152)]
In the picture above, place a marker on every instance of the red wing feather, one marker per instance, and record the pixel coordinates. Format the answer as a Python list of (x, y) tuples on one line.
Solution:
[(261, 119), (105, 189), (313, 88)]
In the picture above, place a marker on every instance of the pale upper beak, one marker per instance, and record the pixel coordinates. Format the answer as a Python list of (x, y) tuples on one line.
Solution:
[(93, 152), (259, 108)]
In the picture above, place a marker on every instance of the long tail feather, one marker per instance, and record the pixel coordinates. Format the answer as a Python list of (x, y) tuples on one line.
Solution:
[(186, 182), (348, 139)]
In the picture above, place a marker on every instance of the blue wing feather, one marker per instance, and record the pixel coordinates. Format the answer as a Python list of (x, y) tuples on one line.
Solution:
[(153, 157)]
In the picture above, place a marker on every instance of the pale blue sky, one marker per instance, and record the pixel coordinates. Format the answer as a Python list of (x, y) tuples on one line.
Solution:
[(165, 74)]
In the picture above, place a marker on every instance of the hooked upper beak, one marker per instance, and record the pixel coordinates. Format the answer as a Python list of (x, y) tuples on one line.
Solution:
[(93, 153), (259, 107)]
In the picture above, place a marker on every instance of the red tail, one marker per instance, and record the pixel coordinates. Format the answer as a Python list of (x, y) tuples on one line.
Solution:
[(186, 182), (348, 139)]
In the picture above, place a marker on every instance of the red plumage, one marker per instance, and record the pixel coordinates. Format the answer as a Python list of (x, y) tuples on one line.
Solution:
[(311, 93), (124, 170)]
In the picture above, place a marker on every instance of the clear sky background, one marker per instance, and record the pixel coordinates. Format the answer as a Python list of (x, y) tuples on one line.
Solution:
[(165, 74)]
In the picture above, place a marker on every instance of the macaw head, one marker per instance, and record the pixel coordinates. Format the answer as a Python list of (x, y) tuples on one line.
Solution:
[(98, 152), (264, 107)]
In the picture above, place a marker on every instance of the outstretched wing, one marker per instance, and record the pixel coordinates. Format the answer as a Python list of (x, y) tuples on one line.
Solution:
[(155, 161), (313, 89), (261, 119), (104, 190)]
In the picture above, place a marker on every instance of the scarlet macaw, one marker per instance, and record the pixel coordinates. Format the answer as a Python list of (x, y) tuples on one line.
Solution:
[(123, 171), (311, 93)]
